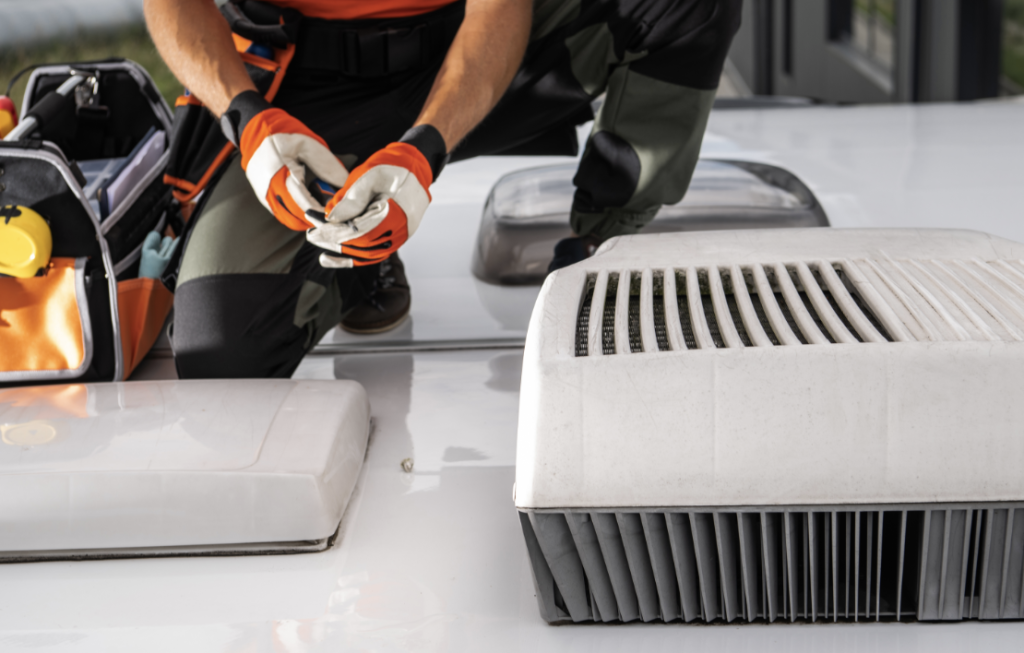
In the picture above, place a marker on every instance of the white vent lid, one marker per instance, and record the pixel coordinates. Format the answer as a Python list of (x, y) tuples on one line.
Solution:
[(760, 368), (137, 465)]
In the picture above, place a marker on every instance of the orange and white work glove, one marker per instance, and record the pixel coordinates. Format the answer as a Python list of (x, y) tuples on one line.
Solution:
[(382, 203), (280, 155)]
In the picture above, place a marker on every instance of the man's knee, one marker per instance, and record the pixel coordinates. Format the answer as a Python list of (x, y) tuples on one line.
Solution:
[(236, 326)]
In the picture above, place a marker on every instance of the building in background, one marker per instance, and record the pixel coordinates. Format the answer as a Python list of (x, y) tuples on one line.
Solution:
[(881, 50)]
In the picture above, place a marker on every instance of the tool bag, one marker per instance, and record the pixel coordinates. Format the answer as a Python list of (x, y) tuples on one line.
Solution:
[(85, 316)]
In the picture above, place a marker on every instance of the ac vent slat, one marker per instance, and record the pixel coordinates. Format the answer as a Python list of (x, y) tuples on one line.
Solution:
[(650, 340), (623, 333), (672, 309), (636, 344), (938, 563), (973, 271), (583, 319), (828, 321), (878, 310), (817, 302), (611, 306), (711, 320), (754, 324), (853, 315), (686, 321), (595, 326), (695, 311), (722, 314)]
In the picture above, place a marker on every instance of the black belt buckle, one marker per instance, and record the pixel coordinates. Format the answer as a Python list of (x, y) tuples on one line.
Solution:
[(376, 52), (372, 54)]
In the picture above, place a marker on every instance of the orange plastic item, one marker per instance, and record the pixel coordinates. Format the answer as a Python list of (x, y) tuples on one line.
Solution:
[(40, 324), (142, 308), (8, 115)]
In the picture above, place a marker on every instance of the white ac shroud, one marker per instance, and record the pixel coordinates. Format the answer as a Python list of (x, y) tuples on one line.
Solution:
[(934, 412)]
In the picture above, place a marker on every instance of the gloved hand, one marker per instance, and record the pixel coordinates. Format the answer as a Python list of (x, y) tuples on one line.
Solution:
[(382, 202), (276, 151), (156, 254)]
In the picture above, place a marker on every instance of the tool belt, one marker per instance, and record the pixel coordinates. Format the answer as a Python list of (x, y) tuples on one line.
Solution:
[(376, 48), (273, 40)]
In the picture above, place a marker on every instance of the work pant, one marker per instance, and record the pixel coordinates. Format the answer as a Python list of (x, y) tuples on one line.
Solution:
[(251, 299)]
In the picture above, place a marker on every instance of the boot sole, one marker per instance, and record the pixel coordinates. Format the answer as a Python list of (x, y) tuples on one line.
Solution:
[(372, 330)]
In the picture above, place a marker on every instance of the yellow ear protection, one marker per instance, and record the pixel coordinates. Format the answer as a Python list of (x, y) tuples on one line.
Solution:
[(25, 242)]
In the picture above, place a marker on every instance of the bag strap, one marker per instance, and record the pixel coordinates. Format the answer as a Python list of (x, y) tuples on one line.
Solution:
[(262, 23)]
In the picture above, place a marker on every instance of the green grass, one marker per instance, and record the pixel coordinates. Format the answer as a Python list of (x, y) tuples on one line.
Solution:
[(131, 43)]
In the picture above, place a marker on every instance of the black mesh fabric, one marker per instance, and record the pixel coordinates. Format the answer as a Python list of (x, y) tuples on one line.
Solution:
[(143, 216)]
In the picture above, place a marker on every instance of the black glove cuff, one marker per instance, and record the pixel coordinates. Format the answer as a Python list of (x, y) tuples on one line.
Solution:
[(242, 109), (430, 143)]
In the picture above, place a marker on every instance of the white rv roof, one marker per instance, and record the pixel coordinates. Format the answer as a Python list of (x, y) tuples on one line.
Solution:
[(433, 560), (130, 466)]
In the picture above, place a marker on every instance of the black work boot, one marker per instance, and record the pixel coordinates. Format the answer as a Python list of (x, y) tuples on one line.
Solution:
[(386, 298), (573, 250)]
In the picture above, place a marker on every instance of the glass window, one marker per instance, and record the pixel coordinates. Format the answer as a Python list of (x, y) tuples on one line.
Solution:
[(873, 27), (1012, 78)]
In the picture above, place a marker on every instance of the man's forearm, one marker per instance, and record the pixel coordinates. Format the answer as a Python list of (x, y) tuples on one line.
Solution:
[(480, 65), (194, 40)]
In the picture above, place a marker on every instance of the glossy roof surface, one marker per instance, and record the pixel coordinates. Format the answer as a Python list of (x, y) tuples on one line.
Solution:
[(433, 560)]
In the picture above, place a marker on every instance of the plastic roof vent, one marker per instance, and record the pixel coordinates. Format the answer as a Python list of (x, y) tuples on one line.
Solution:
[(177, 467), (527, 212), (771, 425)]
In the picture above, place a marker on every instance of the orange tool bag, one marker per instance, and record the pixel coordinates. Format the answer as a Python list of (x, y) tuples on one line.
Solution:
[(81, 186)]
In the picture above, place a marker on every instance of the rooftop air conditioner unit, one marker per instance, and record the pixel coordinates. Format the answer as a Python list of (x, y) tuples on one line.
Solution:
[(796, 425)]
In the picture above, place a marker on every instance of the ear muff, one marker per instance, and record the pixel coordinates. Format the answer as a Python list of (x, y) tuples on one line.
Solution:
[(25, 242)]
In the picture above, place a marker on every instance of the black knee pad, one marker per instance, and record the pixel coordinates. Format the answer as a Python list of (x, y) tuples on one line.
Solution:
[(237, 326)]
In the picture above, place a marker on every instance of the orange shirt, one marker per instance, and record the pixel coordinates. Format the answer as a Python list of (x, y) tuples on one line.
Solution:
[(358, 9)]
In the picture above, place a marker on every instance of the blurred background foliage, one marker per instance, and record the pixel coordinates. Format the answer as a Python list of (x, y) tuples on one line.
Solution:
[(128, 42), (1013, 46)]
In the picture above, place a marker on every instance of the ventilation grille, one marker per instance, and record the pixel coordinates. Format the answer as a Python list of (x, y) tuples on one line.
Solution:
[(952, 563), (816, 302)]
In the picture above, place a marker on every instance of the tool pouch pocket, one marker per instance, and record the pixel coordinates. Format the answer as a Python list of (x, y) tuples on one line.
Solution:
[(45, 329), (142, 308), (197, 145)]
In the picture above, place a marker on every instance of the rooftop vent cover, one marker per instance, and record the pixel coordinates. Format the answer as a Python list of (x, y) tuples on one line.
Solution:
[(177, 467), (527, 213), (799, 425)]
